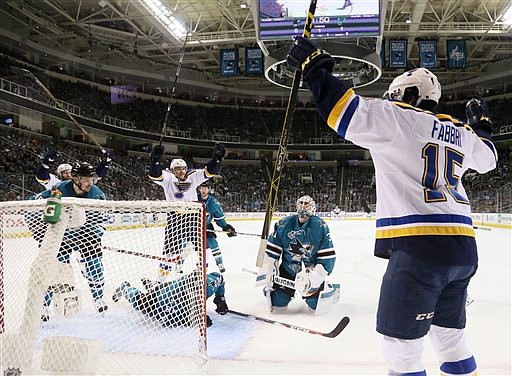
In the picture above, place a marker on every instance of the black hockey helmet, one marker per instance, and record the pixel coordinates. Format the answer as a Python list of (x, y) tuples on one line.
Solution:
[(83, 169)]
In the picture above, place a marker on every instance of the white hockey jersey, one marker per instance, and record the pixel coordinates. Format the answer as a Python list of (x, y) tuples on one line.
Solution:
[(181, 190), (419, 160)]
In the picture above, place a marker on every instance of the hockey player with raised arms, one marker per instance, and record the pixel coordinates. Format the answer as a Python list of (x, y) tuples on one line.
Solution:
[(179, 184), (299, 241), (84, 239), (424, 224), (63, 172), (215, 213)]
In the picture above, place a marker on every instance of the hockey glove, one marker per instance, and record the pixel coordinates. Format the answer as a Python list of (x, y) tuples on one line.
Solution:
[(50, 157), (230, 230), (102, 169), (477, 113), (222, 307), (157, 153), (219, 151), (308, 281), (106, 156), (307, 56)]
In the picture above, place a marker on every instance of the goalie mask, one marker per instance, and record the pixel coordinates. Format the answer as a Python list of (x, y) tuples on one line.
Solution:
[(422, 79), (306, 207), (62, 168), (178, 163)]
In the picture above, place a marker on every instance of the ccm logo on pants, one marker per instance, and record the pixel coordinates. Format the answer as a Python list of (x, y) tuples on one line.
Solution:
[(424, 316)]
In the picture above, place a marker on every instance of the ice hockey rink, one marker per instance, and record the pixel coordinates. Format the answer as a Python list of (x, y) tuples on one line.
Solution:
[(270, 349), (238, 345)]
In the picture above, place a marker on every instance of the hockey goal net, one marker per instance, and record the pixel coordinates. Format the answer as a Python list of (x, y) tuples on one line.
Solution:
[(81, 296)]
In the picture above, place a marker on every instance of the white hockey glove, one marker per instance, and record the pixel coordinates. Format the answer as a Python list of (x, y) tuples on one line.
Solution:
[(307, 281)]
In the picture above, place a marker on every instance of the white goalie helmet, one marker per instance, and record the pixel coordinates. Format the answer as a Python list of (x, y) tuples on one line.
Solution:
[(306, 206), (178, 163), (63, 167), (426, 82)]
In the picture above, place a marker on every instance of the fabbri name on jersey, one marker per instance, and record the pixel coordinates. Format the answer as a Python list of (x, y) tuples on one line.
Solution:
[(447, 133)]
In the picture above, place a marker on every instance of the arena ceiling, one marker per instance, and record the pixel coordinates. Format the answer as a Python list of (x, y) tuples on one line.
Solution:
[(121, 40)]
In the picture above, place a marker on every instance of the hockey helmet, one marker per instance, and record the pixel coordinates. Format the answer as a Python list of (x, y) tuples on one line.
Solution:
[(178, 163), (424, 80), (83, 169), (306, 206), (63, 167)]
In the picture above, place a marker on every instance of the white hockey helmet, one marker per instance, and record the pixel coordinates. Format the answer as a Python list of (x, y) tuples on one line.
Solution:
[(178, 163), (428, 86), (306, 206), (63, 167)]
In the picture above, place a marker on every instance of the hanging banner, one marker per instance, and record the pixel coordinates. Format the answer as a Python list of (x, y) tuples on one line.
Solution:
[(397, 53), (229, 62), (456, 53), (253, 61), (428, 53)]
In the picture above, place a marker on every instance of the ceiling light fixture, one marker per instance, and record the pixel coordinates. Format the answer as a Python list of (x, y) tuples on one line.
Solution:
[(166, 18)]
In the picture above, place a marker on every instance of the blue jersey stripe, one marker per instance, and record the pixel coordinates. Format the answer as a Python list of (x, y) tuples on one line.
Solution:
[(421, 218), (347, 117)]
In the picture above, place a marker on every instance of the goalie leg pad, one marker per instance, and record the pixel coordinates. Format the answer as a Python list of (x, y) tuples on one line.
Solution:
[(328, 297), (66, 303)]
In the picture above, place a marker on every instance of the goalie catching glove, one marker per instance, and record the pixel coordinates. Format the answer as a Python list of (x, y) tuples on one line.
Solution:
[(309, 280), (229, 230), (307, 56)]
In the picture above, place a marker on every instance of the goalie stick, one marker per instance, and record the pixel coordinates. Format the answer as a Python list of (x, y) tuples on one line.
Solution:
[(333, 333), (283, 143)]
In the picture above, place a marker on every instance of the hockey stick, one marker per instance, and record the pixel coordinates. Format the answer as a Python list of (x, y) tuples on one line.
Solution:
[(186, 251), (238, 233), (23, 71), (482, 228), (283, 143), (173, 89), (333, 333)]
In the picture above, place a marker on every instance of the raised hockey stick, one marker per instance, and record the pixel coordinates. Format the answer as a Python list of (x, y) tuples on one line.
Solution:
[(283, 143), (186, 252), (238, 233), (58, 103), (173, 89), (333, 333)]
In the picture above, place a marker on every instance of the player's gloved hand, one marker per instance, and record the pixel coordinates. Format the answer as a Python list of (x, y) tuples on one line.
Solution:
[(478, 115), (50, 157), (157, 153), (106, 156), (317, 275), (102, 169), (306, 56), (230, 230), (219, 151), (222, 307)]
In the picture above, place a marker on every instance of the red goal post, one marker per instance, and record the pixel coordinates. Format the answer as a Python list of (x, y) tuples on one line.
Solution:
[(62, 269)]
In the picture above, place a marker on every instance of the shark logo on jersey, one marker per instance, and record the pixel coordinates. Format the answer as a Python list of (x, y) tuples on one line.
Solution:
[(299, 250)]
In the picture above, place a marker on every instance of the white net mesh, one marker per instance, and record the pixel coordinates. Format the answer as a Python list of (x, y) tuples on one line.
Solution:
[(113, 288)]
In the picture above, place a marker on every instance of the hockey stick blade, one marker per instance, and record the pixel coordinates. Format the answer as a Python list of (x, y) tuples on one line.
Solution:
[(333, 333)]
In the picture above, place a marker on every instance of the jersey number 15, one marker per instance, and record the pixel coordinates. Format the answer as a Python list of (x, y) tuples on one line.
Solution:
[(430, 154)]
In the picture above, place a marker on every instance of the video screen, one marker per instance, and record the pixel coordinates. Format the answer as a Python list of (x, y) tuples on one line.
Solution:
[(283, 19)]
